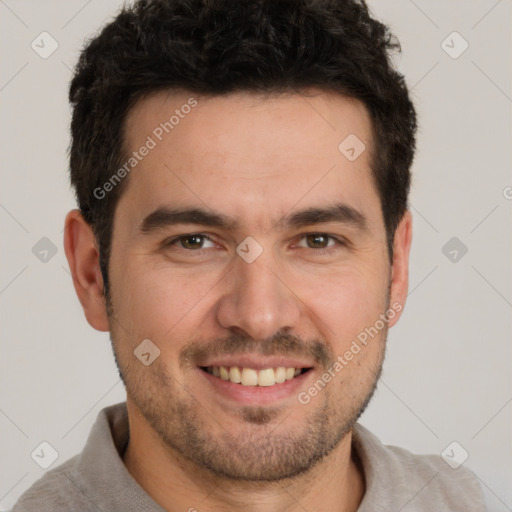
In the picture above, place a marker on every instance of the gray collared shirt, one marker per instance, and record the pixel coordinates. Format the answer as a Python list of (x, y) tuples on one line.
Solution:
[(96, 480)]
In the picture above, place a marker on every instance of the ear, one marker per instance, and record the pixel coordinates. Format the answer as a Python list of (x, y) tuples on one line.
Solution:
[(83, 259), (400, 266)]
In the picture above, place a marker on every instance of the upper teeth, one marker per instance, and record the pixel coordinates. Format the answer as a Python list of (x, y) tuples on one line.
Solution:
[(252, 377)]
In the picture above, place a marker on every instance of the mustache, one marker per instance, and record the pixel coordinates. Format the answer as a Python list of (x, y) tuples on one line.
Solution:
[(281, 344)]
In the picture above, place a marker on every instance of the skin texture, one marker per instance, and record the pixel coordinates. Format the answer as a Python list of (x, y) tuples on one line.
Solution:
[(256, 159)]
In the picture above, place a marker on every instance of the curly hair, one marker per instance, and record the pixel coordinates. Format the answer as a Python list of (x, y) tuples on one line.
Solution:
[(220, 46)]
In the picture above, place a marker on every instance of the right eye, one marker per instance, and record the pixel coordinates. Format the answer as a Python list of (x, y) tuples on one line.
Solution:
[(193, 241)]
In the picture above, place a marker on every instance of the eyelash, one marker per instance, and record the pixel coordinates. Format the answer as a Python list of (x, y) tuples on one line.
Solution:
[(324, 251)]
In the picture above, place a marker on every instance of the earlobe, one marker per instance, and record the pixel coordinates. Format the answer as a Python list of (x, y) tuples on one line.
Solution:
[(83, 259), (400, 266)]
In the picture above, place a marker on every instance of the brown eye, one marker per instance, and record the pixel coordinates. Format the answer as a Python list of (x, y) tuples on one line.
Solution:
[(193, 241), (317, 241), (320, 243)]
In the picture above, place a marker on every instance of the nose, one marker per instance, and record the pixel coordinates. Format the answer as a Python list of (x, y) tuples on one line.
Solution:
[(259, 302)]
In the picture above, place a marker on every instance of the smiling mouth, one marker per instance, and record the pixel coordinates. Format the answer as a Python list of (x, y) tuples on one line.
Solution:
[(252, 377)]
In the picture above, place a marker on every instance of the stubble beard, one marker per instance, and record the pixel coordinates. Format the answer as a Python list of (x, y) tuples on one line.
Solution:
[(260, 451)]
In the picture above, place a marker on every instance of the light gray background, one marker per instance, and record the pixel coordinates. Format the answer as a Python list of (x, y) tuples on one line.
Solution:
[(447, 374)]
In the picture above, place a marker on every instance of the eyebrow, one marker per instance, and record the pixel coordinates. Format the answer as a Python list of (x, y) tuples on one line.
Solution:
[(165, 216)]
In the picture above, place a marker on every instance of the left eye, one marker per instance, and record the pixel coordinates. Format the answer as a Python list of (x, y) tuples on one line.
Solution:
[(319, 241)]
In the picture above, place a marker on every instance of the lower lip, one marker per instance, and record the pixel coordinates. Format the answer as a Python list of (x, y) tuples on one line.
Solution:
[(256, 395)]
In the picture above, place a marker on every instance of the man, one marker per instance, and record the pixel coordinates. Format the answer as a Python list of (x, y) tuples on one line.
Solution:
[(242, 172)]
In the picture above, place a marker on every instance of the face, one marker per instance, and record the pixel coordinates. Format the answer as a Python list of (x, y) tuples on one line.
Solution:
[(245, 239)]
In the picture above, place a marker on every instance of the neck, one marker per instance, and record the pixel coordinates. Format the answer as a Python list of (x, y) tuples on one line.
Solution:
[(335, 483)]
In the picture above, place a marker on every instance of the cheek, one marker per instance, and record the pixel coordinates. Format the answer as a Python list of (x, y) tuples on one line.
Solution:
[(158, 301), (346, 302)]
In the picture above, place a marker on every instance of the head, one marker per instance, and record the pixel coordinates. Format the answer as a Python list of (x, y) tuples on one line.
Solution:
[(248, 115)]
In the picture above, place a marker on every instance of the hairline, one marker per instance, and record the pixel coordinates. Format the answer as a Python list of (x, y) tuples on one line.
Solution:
[(264, 93)]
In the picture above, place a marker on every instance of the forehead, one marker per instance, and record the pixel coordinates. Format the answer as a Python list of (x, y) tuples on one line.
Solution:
[(249, 155), (216, 122)]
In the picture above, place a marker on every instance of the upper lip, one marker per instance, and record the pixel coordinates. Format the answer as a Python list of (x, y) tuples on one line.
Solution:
[(256, 362)]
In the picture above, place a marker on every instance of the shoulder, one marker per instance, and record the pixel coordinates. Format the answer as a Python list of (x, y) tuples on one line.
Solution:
[(56, 491), (75, 484), (415, 482)]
